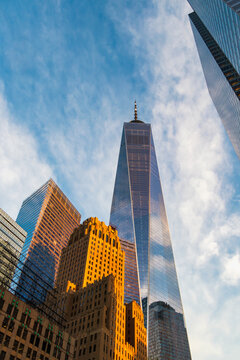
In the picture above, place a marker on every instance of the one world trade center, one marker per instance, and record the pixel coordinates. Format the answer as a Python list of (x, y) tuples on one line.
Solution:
[(138, 212)]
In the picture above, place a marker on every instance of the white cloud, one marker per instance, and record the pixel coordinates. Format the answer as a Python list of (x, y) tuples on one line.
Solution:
[(86, 157), (231, 272), (22, 168)]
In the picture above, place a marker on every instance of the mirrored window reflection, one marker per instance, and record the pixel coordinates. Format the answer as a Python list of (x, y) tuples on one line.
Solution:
[(222, 80)]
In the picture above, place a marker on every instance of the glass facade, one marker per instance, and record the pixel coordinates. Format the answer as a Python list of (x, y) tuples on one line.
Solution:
[(138, 213), (222, 79), (221, 18), (49, 219), (131, 287), (234, 4), (12, 238)]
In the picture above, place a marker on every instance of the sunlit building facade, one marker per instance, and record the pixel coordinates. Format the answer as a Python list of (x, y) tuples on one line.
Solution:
[(139, 215), (216, 29), (12, 238), (25, 333), (49, 219), (90, 282)]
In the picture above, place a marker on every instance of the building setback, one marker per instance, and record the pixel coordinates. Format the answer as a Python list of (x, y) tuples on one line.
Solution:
[(216, 28), (90, 283), (49, 219), (12, 238), (138, 213)]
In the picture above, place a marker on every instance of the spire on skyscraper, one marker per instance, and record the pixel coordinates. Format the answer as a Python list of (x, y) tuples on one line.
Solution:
[(138, 213), (136, 120), (135, 111)]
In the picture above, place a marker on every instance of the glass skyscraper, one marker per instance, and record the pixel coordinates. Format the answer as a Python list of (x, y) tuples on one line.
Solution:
[(216, 29), (12, 238), (138, 213), (49, 219)]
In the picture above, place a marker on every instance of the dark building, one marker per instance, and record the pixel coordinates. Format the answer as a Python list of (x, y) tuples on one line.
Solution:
[(138, 213), (216, 29)]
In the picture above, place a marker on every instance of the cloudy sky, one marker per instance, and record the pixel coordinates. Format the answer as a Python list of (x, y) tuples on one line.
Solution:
[(69, 74)]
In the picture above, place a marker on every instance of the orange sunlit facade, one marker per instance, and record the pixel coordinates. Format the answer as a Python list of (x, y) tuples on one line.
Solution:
[(49, 219), (92, 256)]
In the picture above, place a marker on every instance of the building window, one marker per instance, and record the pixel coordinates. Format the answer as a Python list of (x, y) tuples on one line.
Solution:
[(11, 326), (1, 303), (6, 341), (5, 322), (2, 355), (21, 347), (15, 345), (9, 309), (1, 337), (25, 332), (19, 330)]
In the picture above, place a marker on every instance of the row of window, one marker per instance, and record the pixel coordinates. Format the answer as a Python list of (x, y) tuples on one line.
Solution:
[(30, 353)]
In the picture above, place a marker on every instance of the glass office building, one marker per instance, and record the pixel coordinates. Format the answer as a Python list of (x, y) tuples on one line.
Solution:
[(138, 213), (12, 238), (49, 219), (216, 29), (221, 18)]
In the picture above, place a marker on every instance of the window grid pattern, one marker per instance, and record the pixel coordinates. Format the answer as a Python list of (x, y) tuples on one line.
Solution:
[(222, 79), (223, 23), (49, 219)]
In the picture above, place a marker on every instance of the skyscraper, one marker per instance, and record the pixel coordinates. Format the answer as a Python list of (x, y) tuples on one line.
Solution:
[(49, 219), (216, 29), (12, 238), (90, 283), (138, 213)]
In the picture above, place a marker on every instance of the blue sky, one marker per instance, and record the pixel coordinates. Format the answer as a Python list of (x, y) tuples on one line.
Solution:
[(69, 74)]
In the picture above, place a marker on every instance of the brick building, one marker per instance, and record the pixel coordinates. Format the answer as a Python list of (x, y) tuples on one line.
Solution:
[(26, 334)]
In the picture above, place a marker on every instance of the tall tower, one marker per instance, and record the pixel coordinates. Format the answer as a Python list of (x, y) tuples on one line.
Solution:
[(49, 219), (216, 29), (138, 213)]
